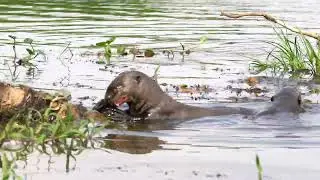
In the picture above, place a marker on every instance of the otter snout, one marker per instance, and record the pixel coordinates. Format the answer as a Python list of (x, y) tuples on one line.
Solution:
[(103, 104)]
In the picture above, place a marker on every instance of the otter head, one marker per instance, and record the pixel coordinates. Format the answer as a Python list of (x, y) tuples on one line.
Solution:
[(123, 88), (288, 99), (131, 87)]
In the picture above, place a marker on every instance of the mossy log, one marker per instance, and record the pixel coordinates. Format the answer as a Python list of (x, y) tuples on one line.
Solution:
[(16, 99)]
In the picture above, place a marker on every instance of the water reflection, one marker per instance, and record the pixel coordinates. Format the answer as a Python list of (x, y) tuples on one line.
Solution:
[(132, 144)]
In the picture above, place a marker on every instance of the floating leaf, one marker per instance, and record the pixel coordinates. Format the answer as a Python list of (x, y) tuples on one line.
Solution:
[(121, 50), (111, 40), (183, 86), (252, 81), (100, 62), (203, 39), (101, 44), (30, 51), (149, 53), (28, 40)]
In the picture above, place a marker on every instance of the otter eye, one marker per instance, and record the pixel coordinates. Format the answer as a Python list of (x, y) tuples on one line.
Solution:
[(138, 79), (116, 89), (272, 99)]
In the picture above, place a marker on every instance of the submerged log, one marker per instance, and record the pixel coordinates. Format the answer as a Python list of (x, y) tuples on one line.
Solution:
[(15, 99)]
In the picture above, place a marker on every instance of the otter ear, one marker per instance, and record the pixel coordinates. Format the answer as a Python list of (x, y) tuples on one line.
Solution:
[(272, 99), (138, 79)]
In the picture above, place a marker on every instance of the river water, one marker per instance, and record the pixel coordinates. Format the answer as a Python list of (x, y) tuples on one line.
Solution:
[(289, 147)]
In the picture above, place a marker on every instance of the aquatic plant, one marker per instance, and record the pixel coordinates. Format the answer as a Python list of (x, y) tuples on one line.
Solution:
[(149, 52), (25, 61), (68, 75), (296, 56), (47, 133), (106, 45), (155, 73), (259, 167), (122, 50), (187, 51)]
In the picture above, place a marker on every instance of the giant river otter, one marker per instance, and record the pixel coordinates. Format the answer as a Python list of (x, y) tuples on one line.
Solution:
[(288, 99), (146, 100)]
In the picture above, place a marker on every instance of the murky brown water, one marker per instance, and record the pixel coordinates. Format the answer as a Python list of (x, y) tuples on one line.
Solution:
[(201, 143)]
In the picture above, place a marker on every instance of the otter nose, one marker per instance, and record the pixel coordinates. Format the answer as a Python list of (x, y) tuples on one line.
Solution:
[(99, 106)]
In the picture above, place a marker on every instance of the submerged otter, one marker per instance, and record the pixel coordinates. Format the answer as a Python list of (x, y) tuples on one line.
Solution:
[(146, 100), (288, 99)]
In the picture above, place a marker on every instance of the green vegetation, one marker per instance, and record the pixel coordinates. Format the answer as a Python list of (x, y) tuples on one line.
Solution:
[(259, 167), (33, 131), (149, 53), (25, 61), (122, 50), (203, 39), (106, 45), (293, 55)]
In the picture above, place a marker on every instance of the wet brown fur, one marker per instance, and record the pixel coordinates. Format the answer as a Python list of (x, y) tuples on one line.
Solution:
[(148, 101)]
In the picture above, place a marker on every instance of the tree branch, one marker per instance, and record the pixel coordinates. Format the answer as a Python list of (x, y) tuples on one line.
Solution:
[(268, 17)]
